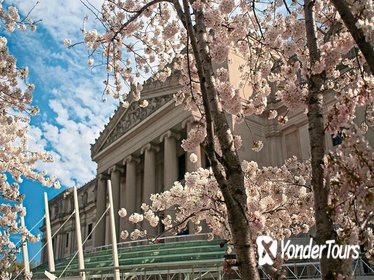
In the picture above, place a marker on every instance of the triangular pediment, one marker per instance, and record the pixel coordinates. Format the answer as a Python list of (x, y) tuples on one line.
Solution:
[(130, 118), (157, 94)]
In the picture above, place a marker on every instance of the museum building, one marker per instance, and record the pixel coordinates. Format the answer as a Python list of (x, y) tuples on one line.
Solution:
[(140, 151)]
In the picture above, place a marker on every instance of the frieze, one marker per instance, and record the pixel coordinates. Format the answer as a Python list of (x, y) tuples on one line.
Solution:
[(135, 115)]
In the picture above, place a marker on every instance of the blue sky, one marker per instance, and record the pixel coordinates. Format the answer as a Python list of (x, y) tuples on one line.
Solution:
[(68, 93)]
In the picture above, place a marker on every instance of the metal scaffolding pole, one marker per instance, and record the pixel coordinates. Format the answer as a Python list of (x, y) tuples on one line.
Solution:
[(79, 236), (51, 260), (113, 232), (25, 253)]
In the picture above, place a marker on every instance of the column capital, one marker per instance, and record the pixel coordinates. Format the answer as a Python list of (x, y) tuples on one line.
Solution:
[(190, 122), (116, 168), (131, 158), (186, 121), (102, 176), (169, 134), (149, 147)]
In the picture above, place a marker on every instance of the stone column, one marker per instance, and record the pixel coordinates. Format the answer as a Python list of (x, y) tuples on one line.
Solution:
[(99, 234), (170, 164), (57, 249), (170, 159), (62, 253), (128, 195), (149, 181), (275, 147), (115, 176), (190, 166)]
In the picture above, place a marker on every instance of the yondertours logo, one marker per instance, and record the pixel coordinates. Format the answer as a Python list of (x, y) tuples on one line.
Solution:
[(267, 249)]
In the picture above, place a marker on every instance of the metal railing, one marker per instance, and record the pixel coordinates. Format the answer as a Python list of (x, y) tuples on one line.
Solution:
[(165, 239)]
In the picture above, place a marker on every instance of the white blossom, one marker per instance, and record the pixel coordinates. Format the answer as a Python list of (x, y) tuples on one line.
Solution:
[(90, 61), (143, 104), (122, 212), (124, 234), (257, 146), (193, 158), (67, 42)]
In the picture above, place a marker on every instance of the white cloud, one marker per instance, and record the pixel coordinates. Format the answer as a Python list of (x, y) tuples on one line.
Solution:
[(69, 137), (36, 140), (62, 18), (72, 111)]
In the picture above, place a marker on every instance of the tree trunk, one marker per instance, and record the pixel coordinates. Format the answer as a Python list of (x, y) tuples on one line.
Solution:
[(232, 184), (275, 274), (330, 268), (357, 33)]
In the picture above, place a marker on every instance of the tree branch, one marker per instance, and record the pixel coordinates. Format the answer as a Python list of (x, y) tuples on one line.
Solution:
[(136, 15), (358, 35)]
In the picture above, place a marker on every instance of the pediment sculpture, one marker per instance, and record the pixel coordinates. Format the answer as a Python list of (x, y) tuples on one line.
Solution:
[(134, 115)]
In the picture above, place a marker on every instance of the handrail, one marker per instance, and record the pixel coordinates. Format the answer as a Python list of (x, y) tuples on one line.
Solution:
[(187, 237), (154, 265)]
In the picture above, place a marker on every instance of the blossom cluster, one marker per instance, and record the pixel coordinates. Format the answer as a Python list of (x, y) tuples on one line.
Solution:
[(351, 168), (279, 202), (195, 137), (128, 64), (16, 160), (12, 20)]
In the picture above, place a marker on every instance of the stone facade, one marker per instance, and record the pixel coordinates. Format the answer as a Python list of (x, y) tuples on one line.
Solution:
[(60, 208)]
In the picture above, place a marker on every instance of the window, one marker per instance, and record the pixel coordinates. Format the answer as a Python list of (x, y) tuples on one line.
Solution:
[(67, 240), (184, 231), (181, 166), (89, 231), (337, 139)]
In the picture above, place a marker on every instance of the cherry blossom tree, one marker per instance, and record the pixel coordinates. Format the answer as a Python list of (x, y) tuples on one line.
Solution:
[(351, 186), (315, 60), (16, 160), (305, 51), (359, 87)]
